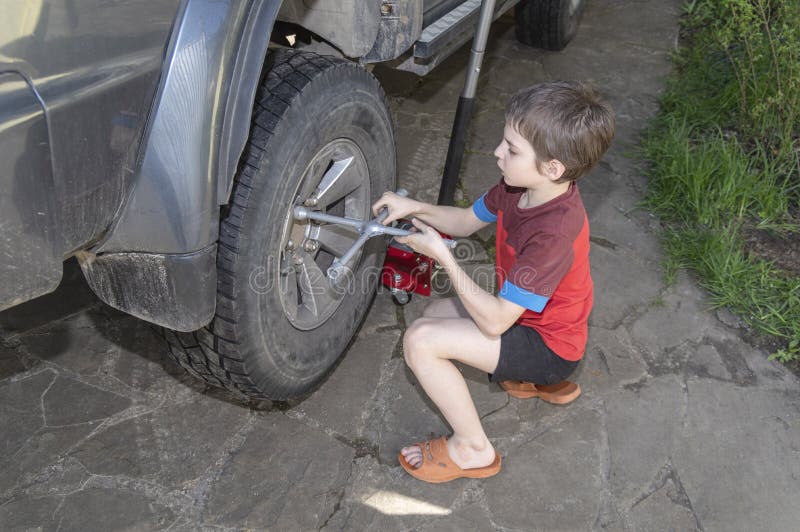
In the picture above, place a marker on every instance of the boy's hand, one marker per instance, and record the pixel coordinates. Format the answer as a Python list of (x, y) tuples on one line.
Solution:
[(398, 206), (427, 241)]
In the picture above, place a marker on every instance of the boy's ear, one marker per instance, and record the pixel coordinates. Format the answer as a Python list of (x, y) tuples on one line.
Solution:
[(555, 169)]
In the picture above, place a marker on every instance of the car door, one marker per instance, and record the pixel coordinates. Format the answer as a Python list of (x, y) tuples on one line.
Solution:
[(87, 71)]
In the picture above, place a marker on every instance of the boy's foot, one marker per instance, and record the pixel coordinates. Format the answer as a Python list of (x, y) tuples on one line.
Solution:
[(560, 394), (431, 461)]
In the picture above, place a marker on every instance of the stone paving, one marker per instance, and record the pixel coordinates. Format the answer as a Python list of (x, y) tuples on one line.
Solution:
[(682, 425)]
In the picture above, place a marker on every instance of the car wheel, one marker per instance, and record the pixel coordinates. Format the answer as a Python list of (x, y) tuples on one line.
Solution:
[(548, 24), (280, 323)]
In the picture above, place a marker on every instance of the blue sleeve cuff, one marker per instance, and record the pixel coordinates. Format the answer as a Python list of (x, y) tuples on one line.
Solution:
[(522, 297), (482, 212)]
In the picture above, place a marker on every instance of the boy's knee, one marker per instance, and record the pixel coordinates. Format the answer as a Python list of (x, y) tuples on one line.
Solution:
[(414, 341)]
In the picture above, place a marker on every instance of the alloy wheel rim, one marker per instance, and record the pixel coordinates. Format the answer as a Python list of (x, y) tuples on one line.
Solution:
[(307, 248)]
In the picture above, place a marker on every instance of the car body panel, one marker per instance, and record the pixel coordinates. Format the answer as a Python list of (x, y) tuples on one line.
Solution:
[(30, 236), (95, 66), (400, 26)]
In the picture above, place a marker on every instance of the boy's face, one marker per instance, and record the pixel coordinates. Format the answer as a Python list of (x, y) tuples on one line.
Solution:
[(517, 162)]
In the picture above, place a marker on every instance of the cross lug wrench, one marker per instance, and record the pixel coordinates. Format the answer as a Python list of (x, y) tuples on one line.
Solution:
[(366, 230)]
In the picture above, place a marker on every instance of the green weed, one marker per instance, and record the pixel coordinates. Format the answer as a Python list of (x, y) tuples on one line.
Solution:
[(725, 152)]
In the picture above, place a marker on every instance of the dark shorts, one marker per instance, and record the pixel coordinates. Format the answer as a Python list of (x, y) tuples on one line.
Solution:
[(525, 357)]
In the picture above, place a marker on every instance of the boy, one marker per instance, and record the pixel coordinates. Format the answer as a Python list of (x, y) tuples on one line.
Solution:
[(534, 331)]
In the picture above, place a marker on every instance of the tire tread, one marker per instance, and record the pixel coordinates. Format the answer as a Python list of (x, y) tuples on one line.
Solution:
[(538, 24)]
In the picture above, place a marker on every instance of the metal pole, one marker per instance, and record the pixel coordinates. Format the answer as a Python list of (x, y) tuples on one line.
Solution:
[(466, 103)]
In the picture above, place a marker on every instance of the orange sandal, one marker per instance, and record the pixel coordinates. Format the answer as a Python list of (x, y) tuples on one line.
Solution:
[(437, 466), (559, 394)]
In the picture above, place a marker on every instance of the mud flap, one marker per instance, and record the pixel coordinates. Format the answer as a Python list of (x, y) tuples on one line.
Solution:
[(177, 291)]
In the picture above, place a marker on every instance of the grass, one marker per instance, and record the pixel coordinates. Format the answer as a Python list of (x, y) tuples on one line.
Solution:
[(724, 156)]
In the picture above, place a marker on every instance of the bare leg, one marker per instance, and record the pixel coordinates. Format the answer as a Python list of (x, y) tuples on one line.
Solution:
[(429, 346), (450, 307)]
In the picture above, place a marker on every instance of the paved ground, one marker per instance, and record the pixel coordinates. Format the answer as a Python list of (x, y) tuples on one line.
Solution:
[(682, 425)]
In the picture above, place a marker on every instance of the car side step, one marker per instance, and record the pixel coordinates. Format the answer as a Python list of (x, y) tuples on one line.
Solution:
[(446, 35)]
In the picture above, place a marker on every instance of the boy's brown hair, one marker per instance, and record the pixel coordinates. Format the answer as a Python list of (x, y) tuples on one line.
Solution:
[(563, 120)]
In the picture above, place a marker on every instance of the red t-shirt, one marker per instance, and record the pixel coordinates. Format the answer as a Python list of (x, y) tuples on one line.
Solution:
[(542, 263)]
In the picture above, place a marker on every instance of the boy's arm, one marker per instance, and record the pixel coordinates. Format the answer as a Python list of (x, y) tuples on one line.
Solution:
[(493, 315), (455, 221)]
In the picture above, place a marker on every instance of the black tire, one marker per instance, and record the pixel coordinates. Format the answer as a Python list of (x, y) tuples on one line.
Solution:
[(548, 24), (305, 102)]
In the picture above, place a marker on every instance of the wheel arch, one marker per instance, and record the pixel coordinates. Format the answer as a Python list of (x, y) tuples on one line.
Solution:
[(197, 128), (245, 78)]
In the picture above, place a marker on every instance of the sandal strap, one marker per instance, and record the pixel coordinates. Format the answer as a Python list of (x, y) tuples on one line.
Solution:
[(437, 450)]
